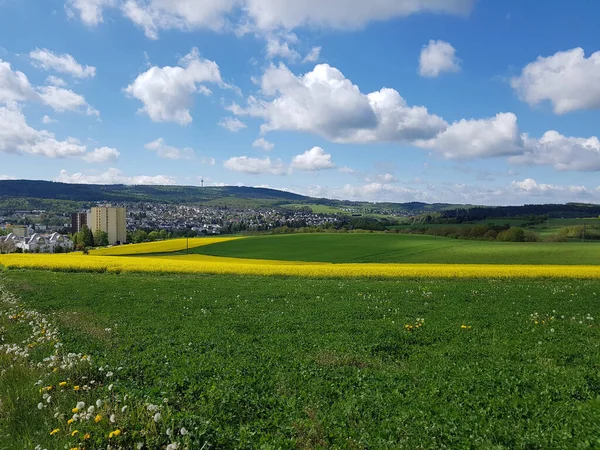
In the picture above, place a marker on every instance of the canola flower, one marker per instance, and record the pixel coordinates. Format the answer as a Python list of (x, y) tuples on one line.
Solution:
[(171, 245), (220, 265)]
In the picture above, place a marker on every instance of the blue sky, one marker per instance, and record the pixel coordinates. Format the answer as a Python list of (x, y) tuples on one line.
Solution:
[(389, 100)]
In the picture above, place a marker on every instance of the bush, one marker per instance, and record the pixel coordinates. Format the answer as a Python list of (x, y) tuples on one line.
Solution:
[(515, 234)]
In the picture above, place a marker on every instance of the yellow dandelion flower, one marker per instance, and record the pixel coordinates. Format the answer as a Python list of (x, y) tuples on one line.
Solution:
[(98, 418), (111, 434), (75, 410), (70, 421), (74, 432), (74, 448), (86, 436), (114, 433), (53, 432), (62, 383), (75, 388), (55, 369)]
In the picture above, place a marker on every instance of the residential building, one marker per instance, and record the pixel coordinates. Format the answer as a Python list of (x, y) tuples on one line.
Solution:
[(38, 243), (111, 220), (22, 230), (77, 221)]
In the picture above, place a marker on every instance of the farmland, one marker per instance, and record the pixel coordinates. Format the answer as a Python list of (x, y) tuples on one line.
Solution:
[(388, 248), (318, 363)]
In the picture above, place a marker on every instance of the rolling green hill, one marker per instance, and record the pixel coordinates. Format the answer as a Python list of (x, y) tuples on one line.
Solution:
[(387, 248)]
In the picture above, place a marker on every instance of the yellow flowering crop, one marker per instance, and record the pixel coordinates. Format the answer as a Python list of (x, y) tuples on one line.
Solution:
[(53, 432), (219, 265), (171, 245)]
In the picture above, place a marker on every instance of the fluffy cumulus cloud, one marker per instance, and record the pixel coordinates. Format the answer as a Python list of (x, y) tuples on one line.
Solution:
[(255, 166), (324, 102), (568, 80), (167, 92), (314, 159), (15, 87), (437, 57), (264, 15), (481, 138), (102, 155), (232, 124), (113, 176), (280, 46), (16, 136), (264, 144), (166, 151), (65, 63), (561, 152), (62, 100)]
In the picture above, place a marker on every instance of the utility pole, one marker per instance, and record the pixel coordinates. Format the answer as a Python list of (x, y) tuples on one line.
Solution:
[(187, 244)]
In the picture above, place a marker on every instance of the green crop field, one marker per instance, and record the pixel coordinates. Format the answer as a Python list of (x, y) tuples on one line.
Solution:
[(241, 362), (375, 247)]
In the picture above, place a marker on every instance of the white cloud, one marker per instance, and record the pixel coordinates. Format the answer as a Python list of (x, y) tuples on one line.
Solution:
[(232, 124), (14, 85), (264, 144), (56, 81), (7, 177), (343, 14), (166, 151), (255, 166), (65, 63), (102, 155), (154, 15), (326, 103), (208, 161), (568, 79), (89, 11), (61, 100), (346, 169), (313, 159), (113, 176), (16, 136), (167, 92), (437, 57), (47, 120), (561, 152), (279, 46), (532, 187), (313, 55), (382, 178), (482, 138), (263, 15)]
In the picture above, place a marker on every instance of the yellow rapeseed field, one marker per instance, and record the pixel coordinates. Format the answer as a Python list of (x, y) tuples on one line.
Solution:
[(171, 245), (217, 265)]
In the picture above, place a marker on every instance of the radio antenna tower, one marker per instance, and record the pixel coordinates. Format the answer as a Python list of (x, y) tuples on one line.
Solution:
[(202, 181)]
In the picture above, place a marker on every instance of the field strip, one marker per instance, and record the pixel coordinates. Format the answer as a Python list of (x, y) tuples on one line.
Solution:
[(168, 246), (217, 265)]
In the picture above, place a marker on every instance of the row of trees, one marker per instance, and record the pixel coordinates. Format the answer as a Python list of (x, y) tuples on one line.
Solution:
[(85, 238)]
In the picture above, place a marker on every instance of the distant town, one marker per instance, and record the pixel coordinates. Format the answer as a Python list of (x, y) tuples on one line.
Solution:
[(41, 232)]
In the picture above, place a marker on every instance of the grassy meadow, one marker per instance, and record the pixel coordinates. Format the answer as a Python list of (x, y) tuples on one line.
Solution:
[(357, 341), (238, 362)]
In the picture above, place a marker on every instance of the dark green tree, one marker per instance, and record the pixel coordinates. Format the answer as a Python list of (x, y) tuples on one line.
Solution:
[(101, 238)]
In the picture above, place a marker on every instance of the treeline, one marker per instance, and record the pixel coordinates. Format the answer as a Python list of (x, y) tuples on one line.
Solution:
[(490, 232), (569, 210)]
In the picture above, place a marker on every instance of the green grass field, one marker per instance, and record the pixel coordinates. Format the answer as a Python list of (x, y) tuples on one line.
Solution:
[(376, 247), (306, 363)]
